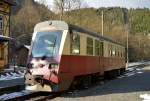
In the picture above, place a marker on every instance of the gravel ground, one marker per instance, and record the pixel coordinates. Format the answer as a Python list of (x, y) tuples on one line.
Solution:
[(127, 87)]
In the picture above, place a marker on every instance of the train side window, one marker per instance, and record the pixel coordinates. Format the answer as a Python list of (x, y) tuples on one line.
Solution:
[(121, 54), (101, 48), (97, 48), (124, 54), (113, 51), (116, 52), (110, 50), (75, 43), (89, 46)]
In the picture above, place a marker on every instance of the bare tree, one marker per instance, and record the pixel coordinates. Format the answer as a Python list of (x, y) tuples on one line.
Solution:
[(66, 5), (43, 2), (59, 5)]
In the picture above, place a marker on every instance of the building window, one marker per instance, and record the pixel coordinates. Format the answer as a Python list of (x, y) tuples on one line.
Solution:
[(75, 43), (1, 23), (89, 46)]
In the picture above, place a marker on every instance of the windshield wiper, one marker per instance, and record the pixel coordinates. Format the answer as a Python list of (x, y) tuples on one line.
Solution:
[(54, 46), (44, 57)]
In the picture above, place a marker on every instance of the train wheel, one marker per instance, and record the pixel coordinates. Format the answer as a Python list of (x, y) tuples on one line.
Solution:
[(87, 81), (111, 74), (118, 72), (95, 78), (122, 70)]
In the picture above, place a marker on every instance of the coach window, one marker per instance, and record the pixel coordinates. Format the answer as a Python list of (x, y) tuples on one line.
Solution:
[(118, 53), (113, 51), (101, 48), (110, 50), (121, 54), (97, 48), (75, 43), (89, 46)]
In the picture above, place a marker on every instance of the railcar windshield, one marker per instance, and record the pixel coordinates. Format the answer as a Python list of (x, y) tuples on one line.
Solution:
[(46, 44)]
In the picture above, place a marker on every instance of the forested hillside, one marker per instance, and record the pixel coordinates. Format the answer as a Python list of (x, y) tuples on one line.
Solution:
[(117, 23)]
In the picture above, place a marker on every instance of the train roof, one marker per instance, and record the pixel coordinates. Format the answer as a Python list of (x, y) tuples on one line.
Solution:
[(83, 30), (4, 38), (63, 25)]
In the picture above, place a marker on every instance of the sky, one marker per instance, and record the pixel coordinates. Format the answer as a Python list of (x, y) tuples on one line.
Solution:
[(112, 3)]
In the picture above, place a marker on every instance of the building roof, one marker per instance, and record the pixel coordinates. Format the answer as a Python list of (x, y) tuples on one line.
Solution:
[(11, 2), (4, 38)]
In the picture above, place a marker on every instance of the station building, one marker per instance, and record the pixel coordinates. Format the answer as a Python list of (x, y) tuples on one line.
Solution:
[(5, 12)]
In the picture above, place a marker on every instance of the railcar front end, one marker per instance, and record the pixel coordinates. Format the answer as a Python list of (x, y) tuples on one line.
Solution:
[(42, 69)]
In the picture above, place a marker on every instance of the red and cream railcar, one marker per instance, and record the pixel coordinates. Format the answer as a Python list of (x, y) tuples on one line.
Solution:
[(61, 53)]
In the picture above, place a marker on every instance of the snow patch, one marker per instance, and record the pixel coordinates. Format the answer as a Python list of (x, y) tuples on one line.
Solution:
[(135, 63), (13, 95), (145, 97), (11, 76)]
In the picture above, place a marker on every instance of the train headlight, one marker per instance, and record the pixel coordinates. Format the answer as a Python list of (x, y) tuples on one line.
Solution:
[(53, 65), (30, 65)]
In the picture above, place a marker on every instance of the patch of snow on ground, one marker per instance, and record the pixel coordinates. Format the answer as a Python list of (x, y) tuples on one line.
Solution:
[(129, 74), (13, 95), (132, 71), (134, 63), (11, 75), (145, 97)]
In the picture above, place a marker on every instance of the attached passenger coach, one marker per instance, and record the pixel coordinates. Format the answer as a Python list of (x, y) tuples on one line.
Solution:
[(64, 55)]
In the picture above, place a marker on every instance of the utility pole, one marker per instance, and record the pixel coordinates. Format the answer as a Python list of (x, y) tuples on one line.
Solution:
[(102, 23), (127, 27), (127, 64), (62, 9)]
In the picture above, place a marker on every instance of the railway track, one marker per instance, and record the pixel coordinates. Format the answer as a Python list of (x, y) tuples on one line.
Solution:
[(28, 96), (43, 96)]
